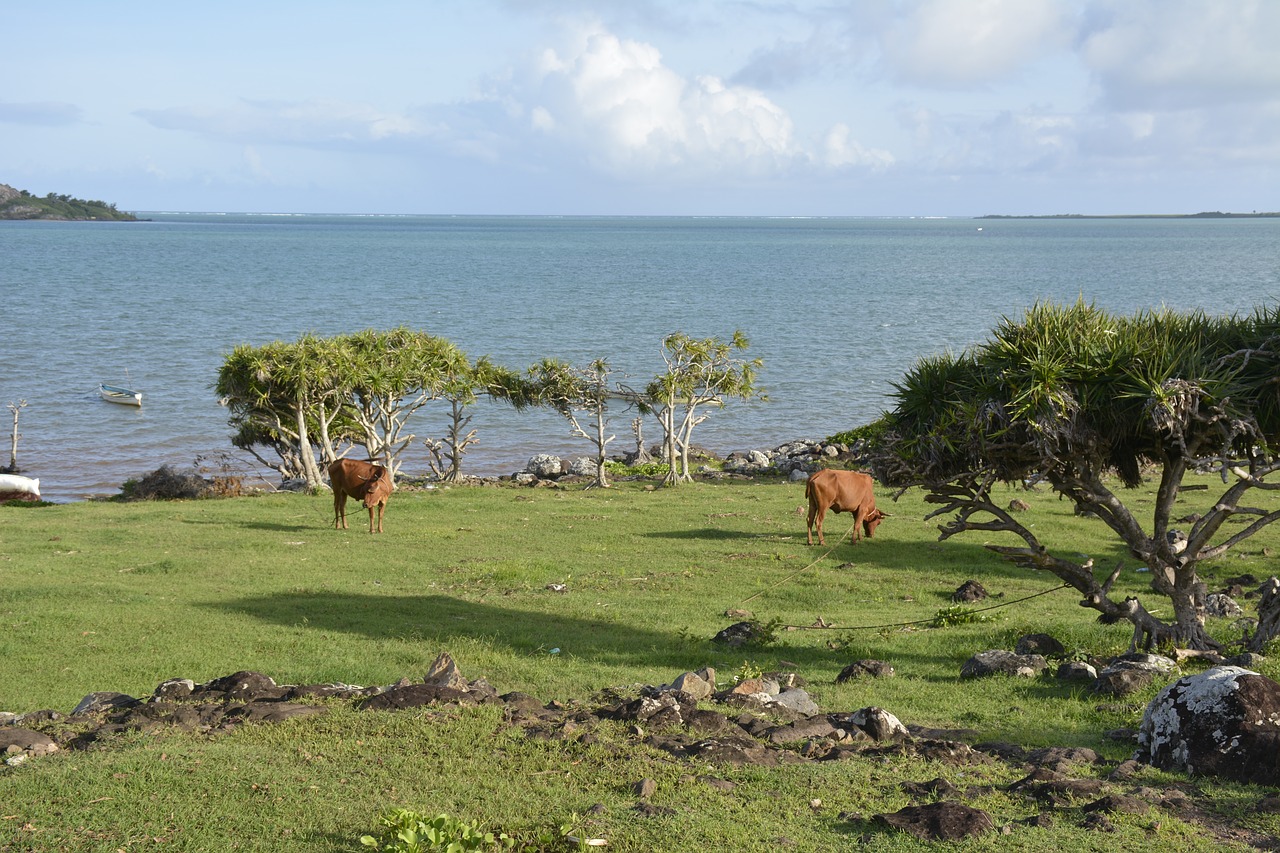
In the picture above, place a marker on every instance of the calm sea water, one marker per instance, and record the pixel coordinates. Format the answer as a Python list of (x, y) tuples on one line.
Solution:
[(837, 308)]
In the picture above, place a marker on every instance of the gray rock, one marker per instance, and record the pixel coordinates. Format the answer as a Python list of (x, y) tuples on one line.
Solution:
[(174, 688), (14, 741), (1155, 663), (1221, 605), (694, 684), (1001, 662), (879, 724), (1222, 722), (1039, 644), (942, 821), (444, 672), (969, 591), (797, 700), (1074, 670), (1122, 681), (864, 669), (545, 466), (104, 701)]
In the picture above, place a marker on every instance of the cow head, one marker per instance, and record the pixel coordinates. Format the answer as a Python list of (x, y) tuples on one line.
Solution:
[(377, 488), (872, 521)]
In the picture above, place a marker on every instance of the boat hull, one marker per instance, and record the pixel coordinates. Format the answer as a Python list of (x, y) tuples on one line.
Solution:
[(121, 396)]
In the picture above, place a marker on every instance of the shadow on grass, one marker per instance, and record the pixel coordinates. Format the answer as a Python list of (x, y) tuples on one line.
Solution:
[(710, 533), (439, 618)]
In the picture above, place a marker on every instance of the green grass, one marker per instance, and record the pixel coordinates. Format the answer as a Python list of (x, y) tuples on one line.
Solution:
[(114, 596)]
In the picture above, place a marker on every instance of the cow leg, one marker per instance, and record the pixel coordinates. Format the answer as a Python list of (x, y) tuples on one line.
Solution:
[(339, 509), (858, 514), (813, 511), (822, 512)]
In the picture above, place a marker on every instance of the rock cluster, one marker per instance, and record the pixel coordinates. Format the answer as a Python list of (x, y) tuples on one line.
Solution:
[(763, 722), (1122, 675), (795, 460)]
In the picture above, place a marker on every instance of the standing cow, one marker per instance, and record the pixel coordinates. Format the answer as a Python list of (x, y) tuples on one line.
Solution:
[(842, 491), (368, 483)]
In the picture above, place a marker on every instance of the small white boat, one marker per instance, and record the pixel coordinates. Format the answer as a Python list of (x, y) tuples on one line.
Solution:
[(123, 396)]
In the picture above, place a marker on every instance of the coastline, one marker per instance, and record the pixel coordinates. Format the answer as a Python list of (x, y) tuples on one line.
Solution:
[(1212, 214)]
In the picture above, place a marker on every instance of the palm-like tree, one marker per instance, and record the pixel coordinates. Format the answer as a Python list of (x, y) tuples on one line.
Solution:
[(1087, 401)]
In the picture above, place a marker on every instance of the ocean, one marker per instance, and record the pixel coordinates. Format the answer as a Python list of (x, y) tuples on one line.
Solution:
[(837, 309)]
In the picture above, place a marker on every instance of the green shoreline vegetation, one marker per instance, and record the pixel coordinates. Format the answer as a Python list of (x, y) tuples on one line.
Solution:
[(21, 205), (121, 596), (1208, 214)]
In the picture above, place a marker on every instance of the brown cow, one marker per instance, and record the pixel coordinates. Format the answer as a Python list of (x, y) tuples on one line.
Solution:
[(842, 491), (364, 481)]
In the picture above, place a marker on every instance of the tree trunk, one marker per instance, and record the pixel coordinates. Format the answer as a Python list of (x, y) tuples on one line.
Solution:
[(642, 453), (668, 416), (13, 447), (602, 480), (1188, 599), (310, 470)]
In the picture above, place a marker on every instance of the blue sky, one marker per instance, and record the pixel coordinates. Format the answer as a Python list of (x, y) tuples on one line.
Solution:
[(699, 107)]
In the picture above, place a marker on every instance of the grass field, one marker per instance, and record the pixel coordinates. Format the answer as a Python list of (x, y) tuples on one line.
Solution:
[(122, 596)]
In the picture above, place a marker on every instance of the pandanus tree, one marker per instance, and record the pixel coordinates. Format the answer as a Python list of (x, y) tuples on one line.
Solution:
[(286, 397), (700, 373), (390, 375), (581, 395), (461, 388), (1093, 404)]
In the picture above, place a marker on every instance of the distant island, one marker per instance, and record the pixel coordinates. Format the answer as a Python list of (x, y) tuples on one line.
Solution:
[(1209, 214), (20, 204)]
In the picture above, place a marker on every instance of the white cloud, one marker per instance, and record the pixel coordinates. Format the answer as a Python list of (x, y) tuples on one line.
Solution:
[(630, 114), (962, 43), (840, 149), (1180, 54), (317, 123)]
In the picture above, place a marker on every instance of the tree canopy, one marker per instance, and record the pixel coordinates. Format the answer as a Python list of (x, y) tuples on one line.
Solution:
[(311, 395), (701, 373), (1083, 400)]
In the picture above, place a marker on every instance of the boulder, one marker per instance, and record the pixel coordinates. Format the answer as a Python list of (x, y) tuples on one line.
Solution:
[(737, 634), (695, 684), (15, 741), (104, 701), (1039, 644), (864, 669), (797, 700), (879, 724), (1222, 605), (1074, 670), (1222, 722), (1127, 674), (545, 466), (942, 821), (969, 591), (1001, 662), (444, 672)]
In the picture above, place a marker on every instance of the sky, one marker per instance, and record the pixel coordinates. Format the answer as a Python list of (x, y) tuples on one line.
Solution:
[(647, 107)]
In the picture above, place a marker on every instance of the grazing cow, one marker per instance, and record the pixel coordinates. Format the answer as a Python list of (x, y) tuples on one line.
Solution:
[(368, 483), (842, 491), (16, 488)]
